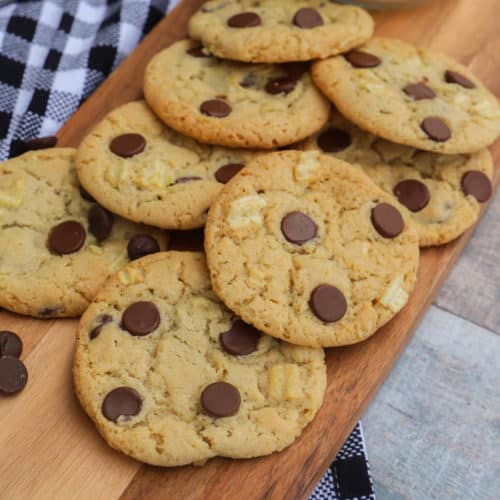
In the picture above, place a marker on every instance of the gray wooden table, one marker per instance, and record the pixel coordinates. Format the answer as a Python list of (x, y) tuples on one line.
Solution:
[(433, 431)]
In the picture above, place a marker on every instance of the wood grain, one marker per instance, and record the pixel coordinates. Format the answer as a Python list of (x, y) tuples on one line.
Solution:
[(50, 450)]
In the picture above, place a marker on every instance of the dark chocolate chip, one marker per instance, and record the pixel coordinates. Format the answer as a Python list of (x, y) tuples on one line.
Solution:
[(333, 140), (121, 402), (141, 318), (197, 51), (86, 196), (225, 173), (387, 220), (419, 91), (48, 312), (127, 145), (216, 108), (413, 194), (100, 222), (328, 303), (476, 184), (183, 180), (436, 129), (186, 241), (10, 344), (459, 79), (66, 237), (220, 399), (241, 339), (101, 321), (360, 59), (13, 375), (41, 143), (307, 18), (248, 80), (298, 228), (244, 20), (141, 245), (282, 85)]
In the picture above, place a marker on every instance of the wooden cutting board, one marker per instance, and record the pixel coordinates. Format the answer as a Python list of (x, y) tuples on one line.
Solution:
[(49, 448)]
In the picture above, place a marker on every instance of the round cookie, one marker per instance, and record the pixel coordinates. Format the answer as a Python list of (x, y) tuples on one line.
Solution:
[(273, 31), (56, 246), (432, 188), (171, 377), (233, 104), (142, 170), (411, 96), (306, 248)]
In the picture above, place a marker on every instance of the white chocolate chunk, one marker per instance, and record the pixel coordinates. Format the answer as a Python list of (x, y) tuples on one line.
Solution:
[(308, 166), (395, 297), (246, 210)]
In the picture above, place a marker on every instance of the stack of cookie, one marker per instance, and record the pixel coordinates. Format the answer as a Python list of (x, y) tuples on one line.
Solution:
[(182, 356)]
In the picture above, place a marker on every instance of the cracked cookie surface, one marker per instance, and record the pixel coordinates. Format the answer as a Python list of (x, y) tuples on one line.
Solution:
[(306, 248), (411, 96), (233, 104), (437, 200), (278, 30), (169, 183), (166, 386), (56, 248)]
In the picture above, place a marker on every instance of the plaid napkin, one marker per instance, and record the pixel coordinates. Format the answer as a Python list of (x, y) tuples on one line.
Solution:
[(53, 54)]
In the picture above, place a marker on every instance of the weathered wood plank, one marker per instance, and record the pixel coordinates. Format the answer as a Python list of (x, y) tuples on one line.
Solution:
[(472, 290), (434, 428)]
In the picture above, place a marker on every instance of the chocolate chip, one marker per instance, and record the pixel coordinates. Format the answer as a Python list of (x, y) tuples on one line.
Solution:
[(248, 81), (328, 303), (121, 402), (476, 184), (100, 222), (283, 85), (241, 339), (360, 59), (413, 194), (101, 321), (296, 69), (141, 318), (307, 18), (216, 108), (244, 20), (220, 399), (459, 79), (419, 91), (41, 143), (298, 228), (186, 241), (141, 245), (436, 129), (183, 180), (67, 237), (197, 51), (10, 344), (86, 196), (387, 220), (225, 173), (13, 375), (127, 145), (47, 312), (333, 140)]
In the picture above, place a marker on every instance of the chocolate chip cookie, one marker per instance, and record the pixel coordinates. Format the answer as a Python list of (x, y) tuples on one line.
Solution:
[(233, 104), (171, 377), (273, 31), (411, 96), (442, 194), (57, 245), (137, 167), (307, 249)]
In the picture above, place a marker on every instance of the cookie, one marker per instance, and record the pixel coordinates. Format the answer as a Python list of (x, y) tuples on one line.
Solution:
[(233, 104), (411, 96), (273, 31), (138, 168), (307, 249), (56, 245), (171, 377), (442, 194)]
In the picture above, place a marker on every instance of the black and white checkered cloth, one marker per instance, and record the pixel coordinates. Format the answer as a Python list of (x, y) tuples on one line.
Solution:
[(53, 54)]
